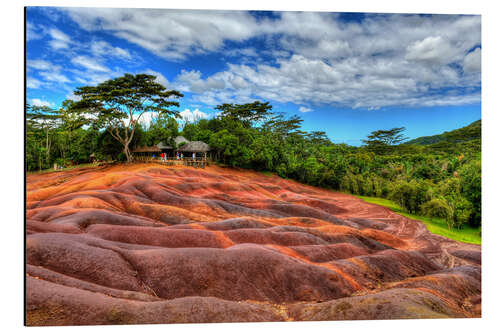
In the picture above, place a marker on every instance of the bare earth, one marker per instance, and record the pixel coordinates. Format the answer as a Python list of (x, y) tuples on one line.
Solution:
[(145, 243)]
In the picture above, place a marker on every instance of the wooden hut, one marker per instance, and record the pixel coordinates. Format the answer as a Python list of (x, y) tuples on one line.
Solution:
[(145, 153), (180, 140), (153, 150), (198, 147), (169, 150)]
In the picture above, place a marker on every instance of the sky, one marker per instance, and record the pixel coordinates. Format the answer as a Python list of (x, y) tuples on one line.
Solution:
[(344, 73)]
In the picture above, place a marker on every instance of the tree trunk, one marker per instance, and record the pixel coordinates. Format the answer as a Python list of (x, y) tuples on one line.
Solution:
[(47, 147), (127, 152)]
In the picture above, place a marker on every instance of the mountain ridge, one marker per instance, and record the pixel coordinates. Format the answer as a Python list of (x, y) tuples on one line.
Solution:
[(462, 134)]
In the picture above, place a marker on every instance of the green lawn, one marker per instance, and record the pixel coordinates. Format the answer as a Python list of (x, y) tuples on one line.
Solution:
[(436, 226), (77, 166)]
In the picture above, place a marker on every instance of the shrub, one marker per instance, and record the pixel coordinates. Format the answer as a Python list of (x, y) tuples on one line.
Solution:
[(409, 195), (438, 207)]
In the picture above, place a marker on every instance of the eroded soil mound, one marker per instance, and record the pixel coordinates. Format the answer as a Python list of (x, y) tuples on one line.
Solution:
[(152, 244)]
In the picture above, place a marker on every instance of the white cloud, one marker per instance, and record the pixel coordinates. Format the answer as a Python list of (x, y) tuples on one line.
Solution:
[(311, 58), (472, 61), (371, 84), (33, 31), (48, 71), (102, 48), (160, 78), (243, 52), (305, 109), (39, 102), (147, 118), (192, 116), (59, 39), (89, 63), (434, 49), (42, 65), (33, 83), (358, 65), (171, 34), (54, 77), (90, 77), (73, 97), (192, 81)]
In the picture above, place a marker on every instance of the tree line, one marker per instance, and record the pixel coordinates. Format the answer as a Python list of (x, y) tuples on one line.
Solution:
[(437, 180)]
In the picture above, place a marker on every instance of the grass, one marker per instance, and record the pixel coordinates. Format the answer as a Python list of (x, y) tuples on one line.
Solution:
[(76, 166), (435, 225)]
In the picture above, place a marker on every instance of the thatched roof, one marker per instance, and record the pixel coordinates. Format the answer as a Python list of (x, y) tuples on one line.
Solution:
[(180, 139), (195, 146), (153, 149), (162, 145)]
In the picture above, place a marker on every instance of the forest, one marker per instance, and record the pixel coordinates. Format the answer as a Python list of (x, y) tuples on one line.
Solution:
[(437, 176)]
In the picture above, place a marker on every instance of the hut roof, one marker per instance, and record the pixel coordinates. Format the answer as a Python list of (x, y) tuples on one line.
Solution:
[(153, 149), (195, 146), (180, 139), (162, 145)]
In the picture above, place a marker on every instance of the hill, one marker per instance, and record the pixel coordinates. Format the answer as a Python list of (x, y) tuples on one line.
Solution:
[(146, 243), (464, 134)]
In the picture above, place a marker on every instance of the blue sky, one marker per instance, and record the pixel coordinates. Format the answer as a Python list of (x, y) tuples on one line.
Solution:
[(345, 74)]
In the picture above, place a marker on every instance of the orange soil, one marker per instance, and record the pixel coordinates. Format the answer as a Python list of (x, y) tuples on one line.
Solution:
[(144, 243)]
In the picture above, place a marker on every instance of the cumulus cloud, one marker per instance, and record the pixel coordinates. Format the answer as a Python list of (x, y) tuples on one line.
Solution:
[(39, 102), (304, 109), (192, 116), (171, 34), (191, 81), (310, 58), (472, 61), (160, 78), (147, 118), (434, 49), (358, 65)]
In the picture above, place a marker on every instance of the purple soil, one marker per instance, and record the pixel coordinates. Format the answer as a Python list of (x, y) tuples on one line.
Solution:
[(146, 243)]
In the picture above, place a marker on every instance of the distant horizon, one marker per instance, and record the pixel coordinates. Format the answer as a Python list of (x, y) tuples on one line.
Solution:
[(347, 74)]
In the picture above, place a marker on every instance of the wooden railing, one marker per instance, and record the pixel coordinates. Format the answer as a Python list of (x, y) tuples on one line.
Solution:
[(199, 162)]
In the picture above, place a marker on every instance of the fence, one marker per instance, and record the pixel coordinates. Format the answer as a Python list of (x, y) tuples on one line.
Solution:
[(187, 161)]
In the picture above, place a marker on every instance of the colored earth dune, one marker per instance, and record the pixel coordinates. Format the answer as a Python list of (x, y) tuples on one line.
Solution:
[(144, 243)]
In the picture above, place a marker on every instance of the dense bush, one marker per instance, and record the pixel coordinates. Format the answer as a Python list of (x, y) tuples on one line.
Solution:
[(441, 180), (409, 194)]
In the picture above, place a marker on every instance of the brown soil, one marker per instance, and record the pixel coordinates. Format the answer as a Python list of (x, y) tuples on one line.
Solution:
[(150, 244)]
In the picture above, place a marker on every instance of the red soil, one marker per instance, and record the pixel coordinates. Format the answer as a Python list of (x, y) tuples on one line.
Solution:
[(152, 244)]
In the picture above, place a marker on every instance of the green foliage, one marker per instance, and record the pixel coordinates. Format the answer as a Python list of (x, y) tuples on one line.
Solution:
[(380, 140), (440, 180), (437, 207), (467, 133), (245, 113), (435, 225), (161, 129), (409, 194), (470, 183), (118, 104)]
